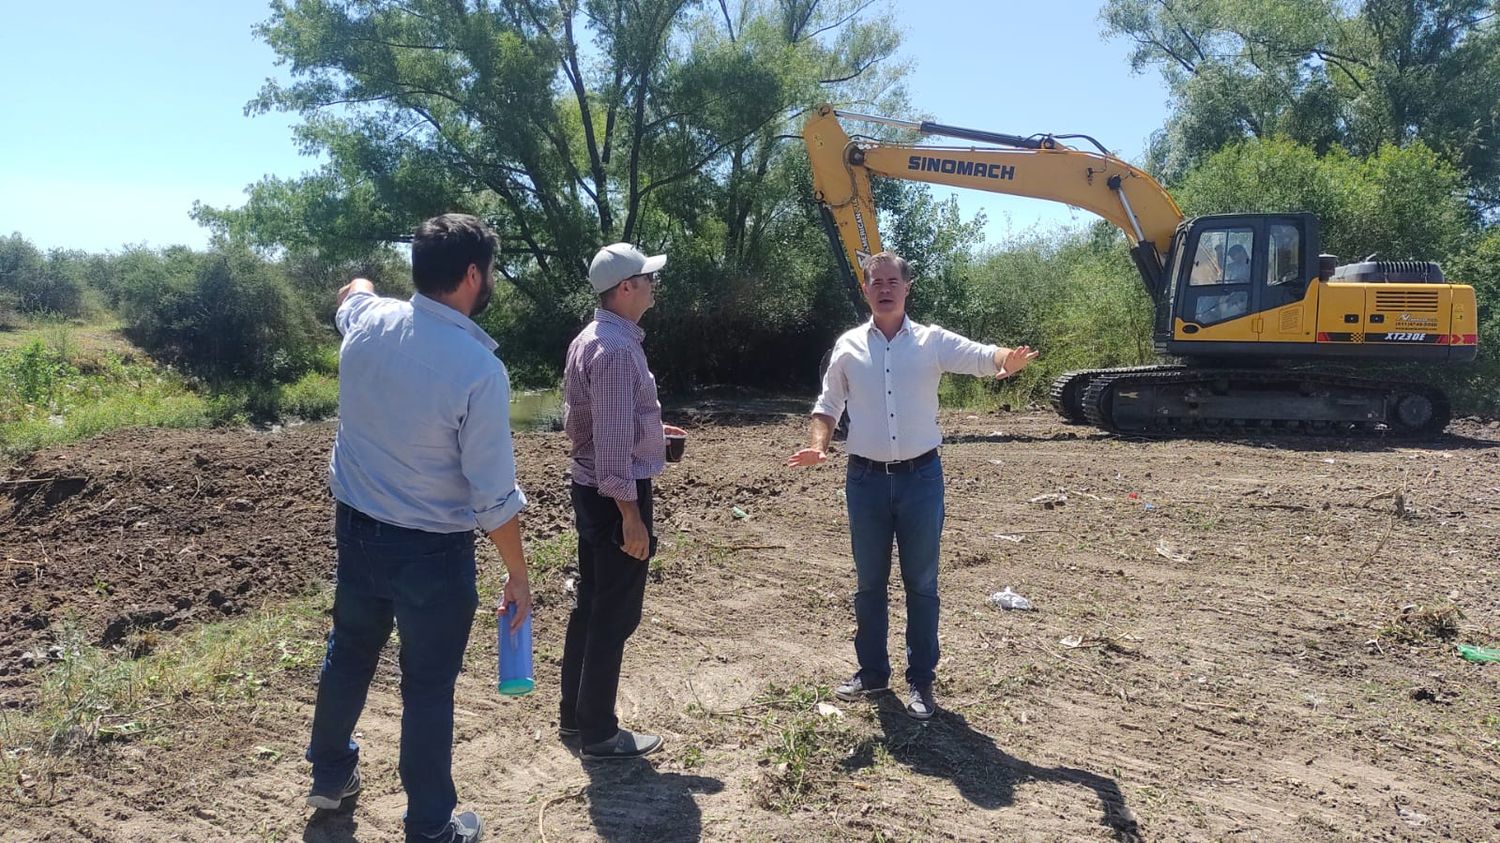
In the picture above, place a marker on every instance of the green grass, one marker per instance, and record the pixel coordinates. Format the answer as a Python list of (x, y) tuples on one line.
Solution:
[(801, 747), (63, 382), (91, 696), (967, 392), (313, 397), (69, 337), (53, 391), (550, 557)]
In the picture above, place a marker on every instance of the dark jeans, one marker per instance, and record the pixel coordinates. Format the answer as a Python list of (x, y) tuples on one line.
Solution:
[(424, 582), (909, 508), (606, 610)]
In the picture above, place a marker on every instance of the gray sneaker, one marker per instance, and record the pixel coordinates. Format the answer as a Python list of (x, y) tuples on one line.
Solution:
[(855, 689), (330, 800), (625, 744), (463, 828), (919, 703)]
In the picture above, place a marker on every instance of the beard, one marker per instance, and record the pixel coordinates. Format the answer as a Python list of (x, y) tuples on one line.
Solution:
[(483, 302)]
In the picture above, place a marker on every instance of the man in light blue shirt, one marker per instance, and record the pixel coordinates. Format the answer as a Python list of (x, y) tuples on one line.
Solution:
[(422, 458)]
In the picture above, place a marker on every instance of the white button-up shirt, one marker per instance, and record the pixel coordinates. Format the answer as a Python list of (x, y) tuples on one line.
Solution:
[(890, 387)]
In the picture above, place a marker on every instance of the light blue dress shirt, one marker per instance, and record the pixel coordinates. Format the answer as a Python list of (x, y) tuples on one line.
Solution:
[(424, 418)]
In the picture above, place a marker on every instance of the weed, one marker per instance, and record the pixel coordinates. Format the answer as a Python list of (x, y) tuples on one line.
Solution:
[(315, 396), (47, 399), (802, 746), (1420, 624), (551, 557), (93, 695)]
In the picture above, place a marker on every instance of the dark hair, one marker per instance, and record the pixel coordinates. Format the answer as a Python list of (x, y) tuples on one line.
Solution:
[(445, 246)]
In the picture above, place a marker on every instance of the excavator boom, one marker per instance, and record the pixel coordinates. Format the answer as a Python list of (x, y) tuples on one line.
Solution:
[(1045, 169)]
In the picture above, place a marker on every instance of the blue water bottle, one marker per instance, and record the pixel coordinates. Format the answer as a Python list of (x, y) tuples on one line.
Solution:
[(515, 654)]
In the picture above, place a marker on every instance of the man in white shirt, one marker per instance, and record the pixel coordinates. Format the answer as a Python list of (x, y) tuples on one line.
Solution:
[(886, 374)]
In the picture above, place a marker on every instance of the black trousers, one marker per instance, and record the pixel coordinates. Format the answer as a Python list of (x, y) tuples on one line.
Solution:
[(606, 610)]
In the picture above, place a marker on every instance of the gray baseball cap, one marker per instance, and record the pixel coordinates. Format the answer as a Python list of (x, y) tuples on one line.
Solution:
[(618, 261)]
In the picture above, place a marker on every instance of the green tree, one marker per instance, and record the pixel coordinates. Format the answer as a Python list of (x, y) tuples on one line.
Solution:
[(1398, 203), (1479, 265), (568, 124), (1324, 72)]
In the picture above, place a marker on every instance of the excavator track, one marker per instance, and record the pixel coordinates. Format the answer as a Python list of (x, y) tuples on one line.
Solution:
[(1068, 389), (1262, 401), (1067, 395)]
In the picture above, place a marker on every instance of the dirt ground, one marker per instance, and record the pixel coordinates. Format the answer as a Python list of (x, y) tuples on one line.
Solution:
[(1232, 640)]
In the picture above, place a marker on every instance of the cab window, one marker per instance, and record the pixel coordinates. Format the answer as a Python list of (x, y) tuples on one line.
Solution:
[(1223, 257), (1284, 264)]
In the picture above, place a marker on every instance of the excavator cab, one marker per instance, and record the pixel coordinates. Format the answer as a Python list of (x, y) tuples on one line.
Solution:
[(1237, 280)]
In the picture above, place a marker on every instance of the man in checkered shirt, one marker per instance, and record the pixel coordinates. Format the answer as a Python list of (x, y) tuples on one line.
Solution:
[(613, 419)]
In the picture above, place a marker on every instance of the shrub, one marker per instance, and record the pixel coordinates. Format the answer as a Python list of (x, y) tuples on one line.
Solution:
[(225, 315), (31, 284)]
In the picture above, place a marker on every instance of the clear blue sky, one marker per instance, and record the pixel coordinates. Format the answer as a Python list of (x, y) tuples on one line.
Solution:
[(115, 117)]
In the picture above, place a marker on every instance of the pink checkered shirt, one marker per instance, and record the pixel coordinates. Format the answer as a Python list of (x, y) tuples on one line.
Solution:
[(610, 411)]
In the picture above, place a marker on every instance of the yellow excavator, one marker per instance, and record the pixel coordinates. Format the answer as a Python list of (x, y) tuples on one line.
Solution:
[(1261, 323)]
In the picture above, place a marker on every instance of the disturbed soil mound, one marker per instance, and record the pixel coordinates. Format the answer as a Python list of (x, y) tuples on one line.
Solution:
[(151, 529)]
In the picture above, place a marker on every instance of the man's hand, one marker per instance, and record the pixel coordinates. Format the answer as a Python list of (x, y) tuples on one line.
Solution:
[(806, 457), (816, 452), (673, 430), (517, 591), (507, 540), (1014, 360), (637, 539), (358, 285)]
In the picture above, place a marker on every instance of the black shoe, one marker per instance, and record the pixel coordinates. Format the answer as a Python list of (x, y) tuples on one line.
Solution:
[(568, 735), (855, 689), (463, 828), (625, 744), (920, 704), (330, 800)]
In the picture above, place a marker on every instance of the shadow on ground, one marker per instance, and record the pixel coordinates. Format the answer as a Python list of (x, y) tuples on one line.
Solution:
[(948, 747)]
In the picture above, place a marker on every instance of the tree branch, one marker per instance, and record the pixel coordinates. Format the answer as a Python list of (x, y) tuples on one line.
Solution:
[(838, 23), (728, 24), (600, 192), (857, 72), (703, 161)]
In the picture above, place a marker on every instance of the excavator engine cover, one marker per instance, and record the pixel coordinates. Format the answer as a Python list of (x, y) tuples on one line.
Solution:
[(1390, 272)]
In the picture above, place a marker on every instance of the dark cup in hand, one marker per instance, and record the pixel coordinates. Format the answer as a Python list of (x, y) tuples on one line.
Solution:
[(675, 446)]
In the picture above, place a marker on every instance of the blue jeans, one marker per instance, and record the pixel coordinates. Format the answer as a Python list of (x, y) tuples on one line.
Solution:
[(906, 507), (424, 583)]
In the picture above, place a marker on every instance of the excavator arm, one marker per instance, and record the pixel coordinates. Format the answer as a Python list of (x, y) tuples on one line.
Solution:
[(1039, 167)]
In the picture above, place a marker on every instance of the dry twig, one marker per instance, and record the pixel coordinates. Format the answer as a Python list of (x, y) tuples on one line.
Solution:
[(541, 815), (1118, 689)]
